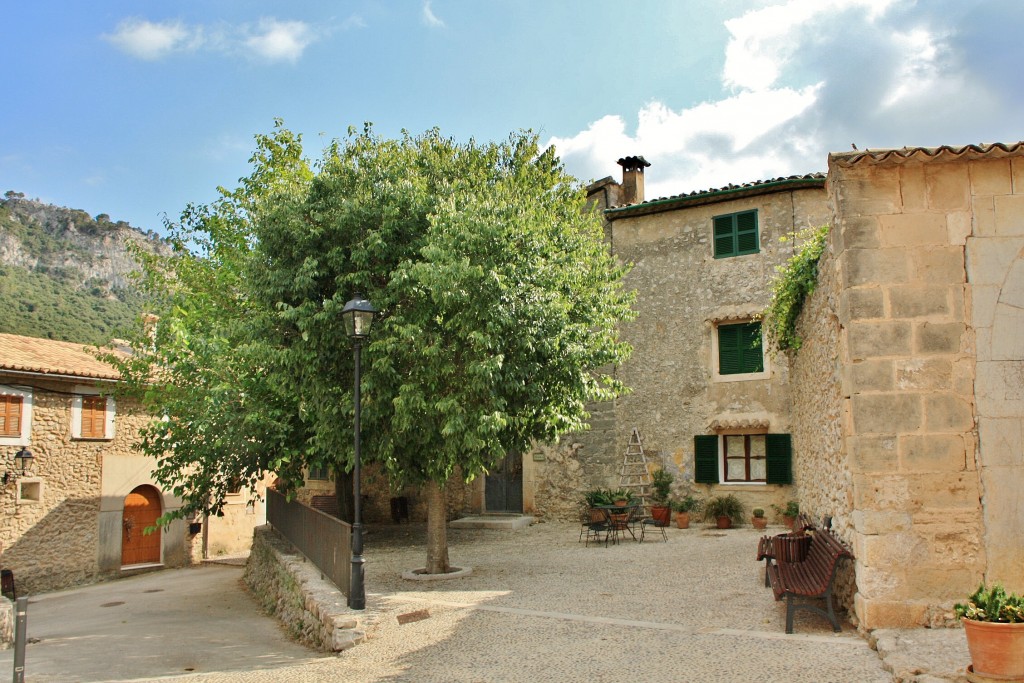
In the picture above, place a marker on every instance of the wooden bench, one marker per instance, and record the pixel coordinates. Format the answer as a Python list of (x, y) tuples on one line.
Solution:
[(811, 579), (766, 546)]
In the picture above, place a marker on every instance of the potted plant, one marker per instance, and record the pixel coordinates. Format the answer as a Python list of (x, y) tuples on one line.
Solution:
[(621, 497), (684, 507), (661, 486), (994, 625), (759, 520), (724, 510), (788, 513), (594, 498)]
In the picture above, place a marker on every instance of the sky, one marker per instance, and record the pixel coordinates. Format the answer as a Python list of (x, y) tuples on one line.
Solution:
[(136, 108)]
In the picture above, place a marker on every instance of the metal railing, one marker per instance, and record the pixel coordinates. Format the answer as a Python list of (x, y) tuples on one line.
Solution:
[(325, 540)]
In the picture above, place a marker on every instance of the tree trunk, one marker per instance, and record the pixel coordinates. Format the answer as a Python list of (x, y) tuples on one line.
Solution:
[(437, 529), (343, 494)]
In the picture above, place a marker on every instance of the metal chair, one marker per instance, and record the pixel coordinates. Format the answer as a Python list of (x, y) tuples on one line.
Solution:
[(650, 521), (593, 528)]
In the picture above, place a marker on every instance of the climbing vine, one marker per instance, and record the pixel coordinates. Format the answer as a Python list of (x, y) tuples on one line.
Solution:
[(794, 282)]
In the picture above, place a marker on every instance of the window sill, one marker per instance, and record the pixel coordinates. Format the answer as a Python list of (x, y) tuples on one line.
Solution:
[(743, 377)]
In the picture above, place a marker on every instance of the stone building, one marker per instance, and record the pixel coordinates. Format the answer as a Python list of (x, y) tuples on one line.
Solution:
[(908, 394), (77, 511)]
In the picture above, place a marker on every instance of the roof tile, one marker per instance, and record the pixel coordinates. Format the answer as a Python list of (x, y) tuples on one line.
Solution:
[(49, 357)]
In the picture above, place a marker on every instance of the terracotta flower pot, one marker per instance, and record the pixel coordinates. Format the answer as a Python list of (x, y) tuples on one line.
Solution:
[(759, 522), (683, 520), (661, 514), (788, 521), (723, 522), (997, 650)]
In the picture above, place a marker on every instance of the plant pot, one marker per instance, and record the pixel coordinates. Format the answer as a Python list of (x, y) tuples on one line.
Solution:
[(661, 514), (997, 650), (723, 522), (788, 521), (620, 503), (759, 522), (683, 520), (596, 515)]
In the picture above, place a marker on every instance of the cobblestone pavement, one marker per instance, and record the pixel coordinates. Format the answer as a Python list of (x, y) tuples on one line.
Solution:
[(539, 606)]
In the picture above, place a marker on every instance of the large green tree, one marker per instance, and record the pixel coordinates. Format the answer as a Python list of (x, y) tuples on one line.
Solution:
[(499, 303), (499, 310)]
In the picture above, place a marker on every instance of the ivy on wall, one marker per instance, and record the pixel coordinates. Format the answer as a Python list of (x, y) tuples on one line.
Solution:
[(793, 283)]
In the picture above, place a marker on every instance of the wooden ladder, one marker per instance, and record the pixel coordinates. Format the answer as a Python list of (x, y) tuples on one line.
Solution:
[(635, 475)]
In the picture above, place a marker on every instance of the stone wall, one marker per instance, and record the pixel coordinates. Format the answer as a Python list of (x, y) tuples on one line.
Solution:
[(288, 586), (682, 292), (906, 353), (820, 471)]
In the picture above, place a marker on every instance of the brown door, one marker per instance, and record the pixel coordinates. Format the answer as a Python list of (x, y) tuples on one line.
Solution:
[(141, 509)]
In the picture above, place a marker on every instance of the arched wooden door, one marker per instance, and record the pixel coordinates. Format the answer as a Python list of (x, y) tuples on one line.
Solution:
[(141, 510)]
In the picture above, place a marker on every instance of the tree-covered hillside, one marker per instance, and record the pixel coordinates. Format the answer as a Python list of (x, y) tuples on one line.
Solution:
[(64, 274)]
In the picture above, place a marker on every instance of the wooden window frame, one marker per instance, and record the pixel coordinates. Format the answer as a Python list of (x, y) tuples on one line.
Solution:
[(86, 418), (710, 465), (22, 436), (12, 408), (746, 366), (746, 457), (736, 234)]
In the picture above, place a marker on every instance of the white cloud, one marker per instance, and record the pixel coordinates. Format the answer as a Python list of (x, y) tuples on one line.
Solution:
[(271, 39), (429, 17), (277, 40), (151, 41), (802, 78)]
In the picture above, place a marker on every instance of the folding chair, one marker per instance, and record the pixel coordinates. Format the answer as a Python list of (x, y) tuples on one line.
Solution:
[(650, 521)]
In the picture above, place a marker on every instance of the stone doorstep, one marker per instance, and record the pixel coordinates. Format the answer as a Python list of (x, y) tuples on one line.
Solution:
[(492, 521)]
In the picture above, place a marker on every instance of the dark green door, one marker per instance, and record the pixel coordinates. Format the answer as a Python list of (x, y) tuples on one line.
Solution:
[(504, 485)]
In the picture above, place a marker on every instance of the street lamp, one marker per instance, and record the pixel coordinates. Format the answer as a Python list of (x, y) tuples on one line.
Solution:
[(358, 317)]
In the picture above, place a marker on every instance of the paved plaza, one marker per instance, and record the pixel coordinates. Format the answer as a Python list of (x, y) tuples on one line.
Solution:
[(538, 607)]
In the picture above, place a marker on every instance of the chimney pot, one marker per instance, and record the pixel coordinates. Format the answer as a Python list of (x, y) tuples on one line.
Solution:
[(633, 178)]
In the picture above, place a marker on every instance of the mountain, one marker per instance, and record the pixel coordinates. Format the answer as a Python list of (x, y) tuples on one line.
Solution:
[(66, 275)]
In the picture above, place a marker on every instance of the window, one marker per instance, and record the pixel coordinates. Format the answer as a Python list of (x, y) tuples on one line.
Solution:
[(318, 474), (736, 234), (10, 415), (739, 349), (15, 416), (92, 416), (743, 458)]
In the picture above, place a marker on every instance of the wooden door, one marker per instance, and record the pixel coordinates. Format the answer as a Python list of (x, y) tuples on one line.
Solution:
[(503, 491), (141, 510)]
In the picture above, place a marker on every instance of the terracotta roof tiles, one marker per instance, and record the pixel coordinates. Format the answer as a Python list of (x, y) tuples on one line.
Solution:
[(49, 357), (987, 150)]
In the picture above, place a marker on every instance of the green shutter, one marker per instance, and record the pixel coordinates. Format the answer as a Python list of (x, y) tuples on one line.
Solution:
[(779, 458), (752, 359), (746, 233), (705, 459), (729, 354), (725, 236)]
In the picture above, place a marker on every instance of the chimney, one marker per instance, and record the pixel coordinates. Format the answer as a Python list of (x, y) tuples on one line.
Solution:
[(633, 179)]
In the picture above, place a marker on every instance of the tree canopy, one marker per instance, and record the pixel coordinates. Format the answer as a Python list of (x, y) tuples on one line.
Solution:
[(499, 305)]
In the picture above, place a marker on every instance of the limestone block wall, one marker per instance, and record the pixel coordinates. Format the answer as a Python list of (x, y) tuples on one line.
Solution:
[(995, 271), (906, 352), (681, 291)]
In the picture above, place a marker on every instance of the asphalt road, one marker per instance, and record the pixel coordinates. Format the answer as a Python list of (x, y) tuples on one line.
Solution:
[(166, 623)]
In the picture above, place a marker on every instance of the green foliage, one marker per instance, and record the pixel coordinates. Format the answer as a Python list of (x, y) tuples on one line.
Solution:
[(793, 283), (661, 485), (595, 497), (687, 504), (724, 506), (792, 509), (757, 512), (992, 604), (618, 495)]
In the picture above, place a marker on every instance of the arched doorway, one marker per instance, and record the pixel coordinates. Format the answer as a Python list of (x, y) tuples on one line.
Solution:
[(141, 509)]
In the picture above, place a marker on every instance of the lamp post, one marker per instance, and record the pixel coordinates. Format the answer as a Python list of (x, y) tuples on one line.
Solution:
[(358, 317)]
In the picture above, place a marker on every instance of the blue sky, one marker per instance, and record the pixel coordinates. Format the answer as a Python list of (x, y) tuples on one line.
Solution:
[(135, 108)]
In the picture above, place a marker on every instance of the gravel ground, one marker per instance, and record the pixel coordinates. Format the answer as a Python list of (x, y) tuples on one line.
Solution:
[(539, 606)]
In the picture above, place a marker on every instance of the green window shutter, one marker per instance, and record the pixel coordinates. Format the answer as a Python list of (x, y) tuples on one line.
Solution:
[(752, 359), (725, 236), (729, 353), (778, 458), (705, 457), (739, 349), (746, 233)]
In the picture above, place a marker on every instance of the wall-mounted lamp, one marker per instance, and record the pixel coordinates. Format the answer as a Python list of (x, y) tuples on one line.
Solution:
[(22, 459)]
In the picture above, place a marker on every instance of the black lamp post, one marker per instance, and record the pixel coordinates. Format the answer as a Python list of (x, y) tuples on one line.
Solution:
[(358, 317)]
